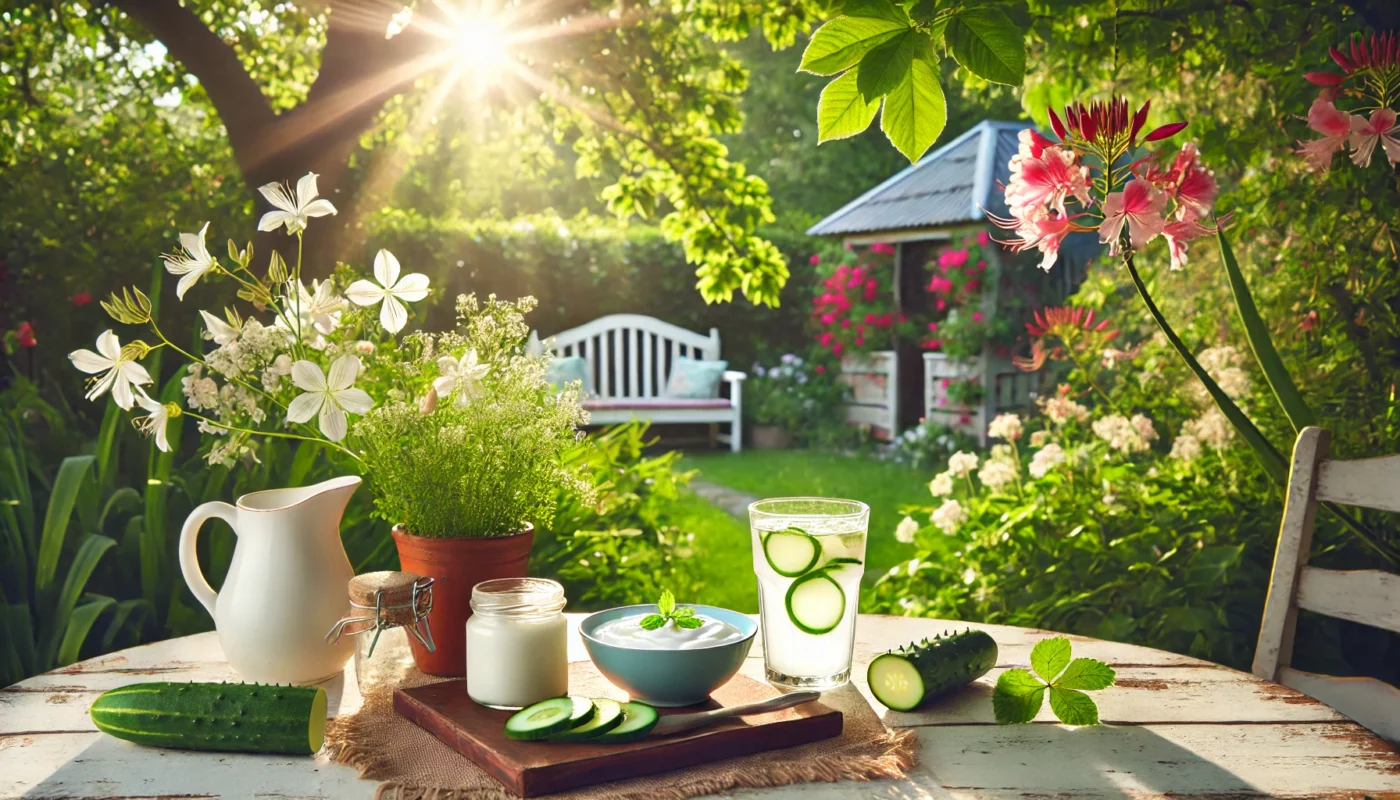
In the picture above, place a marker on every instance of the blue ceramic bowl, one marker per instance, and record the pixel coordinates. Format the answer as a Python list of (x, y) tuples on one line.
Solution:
[(668, 678)]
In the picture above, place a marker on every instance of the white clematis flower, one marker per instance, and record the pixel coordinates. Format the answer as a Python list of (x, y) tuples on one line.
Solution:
[(330, 397), (155, 421), (293, 211), (219, 331), (120, 374), (319, 311), (390, 291), (462, 377), (192, 265)]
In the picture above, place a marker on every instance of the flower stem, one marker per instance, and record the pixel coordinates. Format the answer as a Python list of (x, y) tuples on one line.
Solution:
[(276, 435), (1269, 457)]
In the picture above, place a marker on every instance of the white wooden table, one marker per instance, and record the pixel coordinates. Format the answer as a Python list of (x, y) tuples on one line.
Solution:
[(1175, 726)]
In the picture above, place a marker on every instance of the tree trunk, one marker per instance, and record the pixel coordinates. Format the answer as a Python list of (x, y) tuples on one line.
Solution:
[(360, 71)]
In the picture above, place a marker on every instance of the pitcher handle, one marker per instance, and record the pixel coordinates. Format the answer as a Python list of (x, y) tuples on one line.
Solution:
[(189, 553)]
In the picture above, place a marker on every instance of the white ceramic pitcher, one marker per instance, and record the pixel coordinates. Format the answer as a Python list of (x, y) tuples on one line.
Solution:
[(286, 585)]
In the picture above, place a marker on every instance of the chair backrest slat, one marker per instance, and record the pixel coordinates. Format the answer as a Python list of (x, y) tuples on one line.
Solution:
[(631, 355), (1368, 596), (1366, 482)]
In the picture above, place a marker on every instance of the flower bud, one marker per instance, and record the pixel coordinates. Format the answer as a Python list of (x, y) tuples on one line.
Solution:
[(364, 347), (429, 404)]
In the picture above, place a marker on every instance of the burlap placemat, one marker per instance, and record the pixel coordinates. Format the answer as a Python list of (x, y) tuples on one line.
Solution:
[(411, 764)]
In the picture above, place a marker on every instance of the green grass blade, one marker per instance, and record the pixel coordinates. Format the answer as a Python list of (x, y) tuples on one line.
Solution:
[(89, 553), (14, 483), (79, 626), (123, 499), (71, 474), (18, 628), (1263, 345), (127, 614), (158, 470), (107, 445), (302, 462)]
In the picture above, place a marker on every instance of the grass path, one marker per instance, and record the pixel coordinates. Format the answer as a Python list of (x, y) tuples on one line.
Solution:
[(723, 540)]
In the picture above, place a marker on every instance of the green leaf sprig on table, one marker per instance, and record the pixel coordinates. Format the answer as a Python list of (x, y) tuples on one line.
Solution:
[(1019, 693), (666, 606)]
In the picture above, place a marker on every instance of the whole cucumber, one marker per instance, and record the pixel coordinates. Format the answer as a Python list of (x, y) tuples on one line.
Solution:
[(908, 677), (235, 717)]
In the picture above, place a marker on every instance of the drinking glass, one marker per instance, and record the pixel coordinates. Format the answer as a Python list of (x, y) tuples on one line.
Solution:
[(809, 556)]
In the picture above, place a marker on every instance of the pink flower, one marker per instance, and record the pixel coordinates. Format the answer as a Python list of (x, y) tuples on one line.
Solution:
[(815, 259), (836, 348), (1192, 184), (1334, 126), (977, 316), (826, 339), (1140, 205), (845, 323), (820, 370), (982, 263), (933, 327), (939, 285), (828, 319), (1178, 234), (1047, 180), (1040, 230), (1365, 134), (860, 340), (872, 319), (941, 304), (870, 294), (24, 333), (983, 239)]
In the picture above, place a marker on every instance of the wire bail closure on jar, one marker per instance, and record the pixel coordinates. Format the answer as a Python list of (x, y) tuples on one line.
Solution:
[(388, 591)]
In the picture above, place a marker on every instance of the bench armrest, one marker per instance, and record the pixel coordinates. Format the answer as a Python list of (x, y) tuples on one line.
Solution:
[(734, 376)]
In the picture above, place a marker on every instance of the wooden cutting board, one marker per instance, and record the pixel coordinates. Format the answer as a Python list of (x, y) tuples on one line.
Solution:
[(530, 769)]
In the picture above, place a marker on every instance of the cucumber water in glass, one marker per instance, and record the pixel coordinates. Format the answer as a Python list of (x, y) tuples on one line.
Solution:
[(809, 555)]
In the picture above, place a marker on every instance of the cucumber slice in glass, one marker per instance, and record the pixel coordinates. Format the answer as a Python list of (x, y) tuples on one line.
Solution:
[(607, 714), (637, 721), (541, 719), (791, 552), (815, 603)]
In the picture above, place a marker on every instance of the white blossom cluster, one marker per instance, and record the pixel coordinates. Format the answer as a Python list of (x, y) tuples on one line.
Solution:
[(1126, 435), (1046, 459), (949, 517), (1005, 426), (997, 474), (962, 463), (1061, 409)]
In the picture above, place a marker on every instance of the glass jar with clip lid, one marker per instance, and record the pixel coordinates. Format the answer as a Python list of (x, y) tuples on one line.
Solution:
[(385, 609)]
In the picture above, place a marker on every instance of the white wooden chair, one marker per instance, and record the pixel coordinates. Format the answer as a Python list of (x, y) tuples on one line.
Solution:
[(1368, 596), (629, 364)]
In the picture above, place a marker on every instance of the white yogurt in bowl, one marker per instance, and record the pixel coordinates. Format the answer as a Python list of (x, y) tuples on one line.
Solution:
[(628, 632)]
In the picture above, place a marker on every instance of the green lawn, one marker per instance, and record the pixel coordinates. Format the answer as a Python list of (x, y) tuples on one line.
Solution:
[(722, 546), (882, 485)]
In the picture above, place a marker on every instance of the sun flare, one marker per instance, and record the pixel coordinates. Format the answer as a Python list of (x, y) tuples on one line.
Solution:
[(480, 45)]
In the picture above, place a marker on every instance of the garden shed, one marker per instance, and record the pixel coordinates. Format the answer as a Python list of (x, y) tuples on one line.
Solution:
[(957, 367)]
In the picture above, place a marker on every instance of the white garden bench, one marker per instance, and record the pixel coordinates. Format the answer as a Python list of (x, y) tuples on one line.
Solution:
[(629, 363)]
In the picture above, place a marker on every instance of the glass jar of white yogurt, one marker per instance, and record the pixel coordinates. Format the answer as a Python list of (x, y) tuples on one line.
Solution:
[(517, 643)]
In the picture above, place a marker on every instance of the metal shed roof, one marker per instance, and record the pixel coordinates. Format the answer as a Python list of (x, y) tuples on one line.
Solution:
[(950, 186)]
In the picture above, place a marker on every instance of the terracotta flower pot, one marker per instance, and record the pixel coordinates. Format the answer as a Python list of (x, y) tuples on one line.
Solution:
[(457, 565), (769, 437)]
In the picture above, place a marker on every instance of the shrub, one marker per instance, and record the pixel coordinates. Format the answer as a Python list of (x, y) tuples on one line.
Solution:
[(803, 396)]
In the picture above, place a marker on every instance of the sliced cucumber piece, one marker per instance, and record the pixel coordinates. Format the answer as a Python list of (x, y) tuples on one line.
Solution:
[(896, 682), (791, 552), (842, 561), (607, 714), (541, 719), (637, 721), (583, 711), (815, 603)]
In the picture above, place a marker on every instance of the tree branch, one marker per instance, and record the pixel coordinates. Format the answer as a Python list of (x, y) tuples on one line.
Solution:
[(244, 110)]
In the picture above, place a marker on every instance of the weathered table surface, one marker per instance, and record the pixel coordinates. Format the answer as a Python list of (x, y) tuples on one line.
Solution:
[(1175, 726)]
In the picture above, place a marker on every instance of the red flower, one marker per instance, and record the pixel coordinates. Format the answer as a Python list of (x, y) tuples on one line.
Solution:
[(81, 299), (820, 370), (25, 335), (815, 259), (977, 316), (983, 238)]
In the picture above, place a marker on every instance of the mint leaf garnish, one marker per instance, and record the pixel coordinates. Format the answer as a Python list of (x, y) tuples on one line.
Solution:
[(1049, 657), (666, 606), (1086, 673), (1019, 693), (1017, 697)]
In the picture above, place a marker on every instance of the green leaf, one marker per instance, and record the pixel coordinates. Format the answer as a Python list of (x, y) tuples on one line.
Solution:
[(689, 622), (1086, 673), (84, 562), (79, 625), (875, 9), (1049, 657), (1017, 697), (1072, 707), (653, 621), (885, 67), (683, 612), (842, 42), (71, 474), (1299, 415), (841, 111), (915, 112), (988, 44), (666, 604), (923, 10)]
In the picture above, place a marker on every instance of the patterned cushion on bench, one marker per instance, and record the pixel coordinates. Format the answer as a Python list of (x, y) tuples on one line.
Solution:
[(653, 404)]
